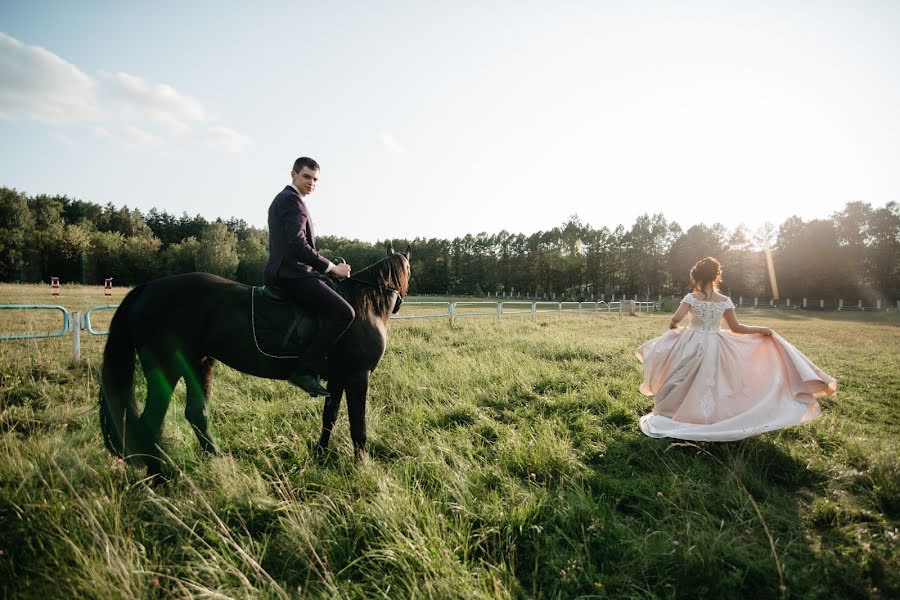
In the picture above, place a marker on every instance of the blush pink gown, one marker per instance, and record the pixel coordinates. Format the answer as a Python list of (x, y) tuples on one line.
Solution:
[(715, 385)]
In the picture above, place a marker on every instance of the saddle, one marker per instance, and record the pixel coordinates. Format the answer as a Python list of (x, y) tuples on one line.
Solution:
[(281, 329)]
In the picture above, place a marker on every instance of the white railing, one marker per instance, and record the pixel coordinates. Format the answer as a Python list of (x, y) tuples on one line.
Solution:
[(497, 310)]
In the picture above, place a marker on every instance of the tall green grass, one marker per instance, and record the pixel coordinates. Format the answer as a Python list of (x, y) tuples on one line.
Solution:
[(504, 461)]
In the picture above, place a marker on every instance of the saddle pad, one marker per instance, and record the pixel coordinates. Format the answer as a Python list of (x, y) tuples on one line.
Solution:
[(281, 329)]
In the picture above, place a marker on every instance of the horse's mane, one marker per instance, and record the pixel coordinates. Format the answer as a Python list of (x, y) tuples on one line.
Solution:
[(389, 272)]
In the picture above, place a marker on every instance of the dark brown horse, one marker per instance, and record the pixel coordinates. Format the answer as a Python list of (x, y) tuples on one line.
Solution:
[(180, 325)]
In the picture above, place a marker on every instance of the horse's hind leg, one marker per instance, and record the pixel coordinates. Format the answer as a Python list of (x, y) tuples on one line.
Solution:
[(161, 380), (198, 382), (330, 412), (357, 389)]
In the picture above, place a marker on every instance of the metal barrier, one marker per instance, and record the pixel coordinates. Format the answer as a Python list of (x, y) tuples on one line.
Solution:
[(441, 315), (536, 310), (529, 311), (87, 318), (60, 333), (649, 306), (463, 308), (454, 313)]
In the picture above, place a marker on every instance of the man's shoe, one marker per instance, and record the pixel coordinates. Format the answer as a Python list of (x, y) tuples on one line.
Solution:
[(309, 383)]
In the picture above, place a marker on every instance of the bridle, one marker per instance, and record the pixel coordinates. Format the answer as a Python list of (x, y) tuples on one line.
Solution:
[(382, 287), (378, 286)]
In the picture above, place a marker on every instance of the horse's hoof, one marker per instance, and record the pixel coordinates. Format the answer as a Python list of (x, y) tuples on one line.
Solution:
[(156, 479), (213, 451), (360, 456)]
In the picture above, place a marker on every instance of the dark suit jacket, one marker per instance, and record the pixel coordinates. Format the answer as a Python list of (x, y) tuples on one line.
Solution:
[(292, 240)]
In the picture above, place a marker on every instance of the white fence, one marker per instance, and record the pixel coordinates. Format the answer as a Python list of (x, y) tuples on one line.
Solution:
[(497, 310)]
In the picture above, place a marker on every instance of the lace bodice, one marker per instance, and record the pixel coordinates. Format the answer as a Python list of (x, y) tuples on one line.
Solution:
[(706, 315)]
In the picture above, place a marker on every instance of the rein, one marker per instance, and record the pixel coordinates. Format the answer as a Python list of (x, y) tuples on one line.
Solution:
[(373, 285), (377, 286), (382, 287)]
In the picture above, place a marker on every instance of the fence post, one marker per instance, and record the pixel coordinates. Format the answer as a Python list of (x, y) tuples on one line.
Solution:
[(804, 303), (499, 310), (76, 337), (755, 301), (771, 301), (788, 303), (559, 309), (878, 304), (534, 311), (452, 312), (740, 300), (840, 303), (859, 304)]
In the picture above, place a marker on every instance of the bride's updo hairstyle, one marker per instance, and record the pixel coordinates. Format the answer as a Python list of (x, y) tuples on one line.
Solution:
[(707, 270)]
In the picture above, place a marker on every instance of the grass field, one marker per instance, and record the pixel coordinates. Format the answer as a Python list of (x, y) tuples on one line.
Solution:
[(504, 461)]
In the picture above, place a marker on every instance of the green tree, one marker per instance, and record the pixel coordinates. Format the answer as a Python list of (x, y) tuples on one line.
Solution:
[(217, 252), (140, 257), (104, 258), (697, 242), (181, 257), (884, 251), (252, 256), (16, 225), (43, 246)]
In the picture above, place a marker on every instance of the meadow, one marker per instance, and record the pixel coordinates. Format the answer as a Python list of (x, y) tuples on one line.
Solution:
[(504, 462)]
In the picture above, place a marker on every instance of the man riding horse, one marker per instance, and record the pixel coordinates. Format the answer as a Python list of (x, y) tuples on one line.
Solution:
[(297, 269)]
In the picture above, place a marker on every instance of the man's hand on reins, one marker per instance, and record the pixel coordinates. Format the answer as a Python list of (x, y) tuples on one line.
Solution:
[(341, 271)]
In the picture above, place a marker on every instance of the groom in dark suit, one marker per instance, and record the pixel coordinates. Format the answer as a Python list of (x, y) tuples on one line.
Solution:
[(298, 269)]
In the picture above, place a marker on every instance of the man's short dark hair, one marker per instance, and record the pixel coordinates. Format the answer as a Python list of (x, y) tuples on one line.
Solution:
[(305, 161)]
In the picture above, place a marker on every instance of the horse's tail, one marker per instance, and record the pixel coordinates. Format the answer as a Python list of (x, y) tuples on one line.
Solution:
[(118, 409)]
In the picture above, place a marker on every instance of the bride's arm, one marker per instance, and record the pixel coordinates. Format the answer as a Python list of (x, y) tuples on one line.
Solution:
[(683, 309), (736, 327)]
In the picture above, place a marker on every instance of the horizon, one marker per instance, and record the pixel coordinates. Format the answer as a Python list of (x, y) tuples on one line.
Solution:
[(611, 228)]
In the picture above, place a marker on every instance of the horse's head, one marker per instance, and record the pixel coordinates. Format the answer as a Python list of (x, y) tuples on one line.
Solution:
[(396, 274)]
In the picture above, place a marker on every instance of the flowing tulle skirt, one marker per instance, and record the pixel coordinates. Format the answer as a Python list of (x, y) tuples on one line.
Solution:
[(721, 386)]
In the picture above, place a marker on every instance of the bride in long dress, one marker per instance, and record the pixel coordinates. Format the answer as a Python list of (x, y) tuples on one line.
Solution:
[(720, 385)]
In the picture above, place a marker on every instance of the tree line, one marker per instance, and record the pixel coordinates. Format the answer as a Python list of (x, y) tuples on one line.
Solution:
[(854, 254)]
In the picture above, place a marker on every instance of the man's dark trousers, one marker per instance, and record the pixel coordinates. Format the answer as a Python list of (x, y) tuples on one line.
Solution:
[(334, 313)]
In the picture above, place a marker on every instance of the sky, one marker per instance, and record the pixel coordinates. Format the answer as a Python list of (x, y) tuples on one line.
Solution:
[(440, 119)]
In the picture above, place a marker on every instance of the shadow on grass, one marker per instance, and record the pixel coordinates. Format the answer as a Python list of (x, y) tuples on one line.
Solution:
[(662, 518)]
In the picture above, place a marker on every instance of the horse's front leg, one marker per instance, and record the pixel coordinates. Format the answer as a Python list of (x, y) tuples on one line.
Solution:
[(357, 389), (330, 412)]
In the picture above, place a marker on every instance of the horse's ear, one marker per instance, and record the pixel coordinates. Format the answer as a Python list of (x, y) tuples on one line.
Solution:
[(390, 248), (406, 252)]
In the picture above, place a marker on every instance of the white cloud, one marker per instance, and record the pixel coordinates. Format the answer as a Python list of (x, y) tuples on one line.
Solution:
[(132, 98), (391, 143), (40, 85), (225, 139), (64, 139), (135, 136)]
